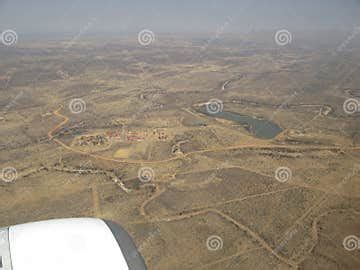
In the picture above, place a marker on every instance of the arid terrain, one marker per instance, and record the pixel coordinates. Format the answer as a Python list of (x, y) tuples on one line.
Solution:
[(237, 154)]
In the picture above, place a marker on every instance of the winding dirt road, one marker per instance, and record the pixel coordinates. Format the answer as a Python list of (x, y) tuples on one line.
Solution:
[(265, 145), (193, 213)]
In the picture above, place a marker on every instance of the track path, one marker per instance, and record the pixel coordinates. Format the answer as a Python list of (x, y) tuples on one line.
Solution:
[(264, 145), (158, 192)]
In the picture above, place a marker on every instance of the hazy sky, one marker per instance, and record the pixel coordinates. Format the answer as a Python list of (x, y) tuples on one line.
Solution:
[(175, 15)]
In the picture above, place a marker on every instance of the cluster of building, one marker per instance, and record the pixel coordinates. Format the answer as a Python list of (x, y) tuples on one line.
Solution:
[(92, 140), (123, 135)]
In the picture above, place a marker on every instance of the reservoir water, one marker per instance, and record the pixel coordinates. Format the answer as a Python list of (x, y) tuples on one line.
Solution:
[(260, 128)]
